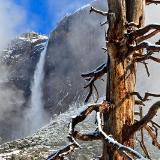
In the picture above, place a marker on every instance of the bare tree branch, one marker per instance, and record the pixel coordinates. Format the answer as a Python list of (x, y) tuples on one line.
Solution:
[(142, 144), (90, 85), (154, 59), (92, 77), (145, 37), (100, 70), (126, 151), (139, 102), (99, 134), (102, 24), (147, 118), (144, 30), (152, 1), (145, 98), (146, 67), (103, 107), (155, 124), (58, 155), (96, 92), (145, 45), (141, 58), (105, 49), (148, 56), (158, 42), (153, 136), (98, 11), (144, 149), (87, 137)]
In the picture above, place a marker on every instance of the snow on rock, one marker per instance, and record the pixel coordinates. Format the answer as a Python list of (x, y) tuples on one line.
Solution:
[(52, 137), (32, 37)]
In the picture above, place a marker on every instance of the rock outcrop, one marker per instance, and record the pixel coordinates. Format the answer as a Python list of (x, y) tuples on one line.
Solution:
[(74, 47), (17, 65)]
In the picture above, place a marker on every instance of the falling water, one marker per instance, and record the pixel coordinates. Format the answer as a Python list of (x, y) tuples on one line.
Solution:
[(37, 116)]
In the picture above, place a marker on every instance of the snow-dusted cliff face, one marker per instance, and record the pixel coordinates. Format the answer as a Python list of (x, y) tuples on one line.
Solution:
[(21, 57), (74, 47), (17, 67)]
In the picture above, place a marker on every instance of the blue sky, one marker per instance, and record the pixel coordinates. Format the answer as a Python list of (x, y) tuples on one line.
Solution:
[(43, 15)]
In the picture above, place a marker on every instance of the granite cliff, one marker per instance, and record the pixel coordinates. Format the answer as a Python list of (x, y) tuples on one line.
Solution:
[(74, 47)]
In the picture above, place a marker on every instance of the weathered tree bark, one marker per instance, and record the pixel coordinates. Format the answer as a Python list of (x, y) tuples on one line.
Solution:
[(115, 115), (122, 73)]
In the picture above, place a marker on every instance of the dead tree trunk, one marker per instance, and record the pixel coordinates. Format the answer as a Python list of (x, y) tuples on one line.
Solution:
[(116, 125), (122, 72)]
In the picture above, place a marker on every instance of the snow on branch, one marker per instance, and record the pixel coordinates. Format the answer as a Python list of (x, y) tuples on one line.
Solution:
[(99, 134), (146, 119), (144, 30), (73, 135), (100, 69), (103, 107), (58, 155), (145, 37), (145, 45), (142, 58), (98, 11), (126, 151), (131, 24), (92, 77)]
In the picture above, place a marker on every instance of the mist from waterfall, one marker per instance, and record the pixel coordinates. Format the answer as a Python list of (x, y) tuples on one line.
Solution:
[(36, 115)]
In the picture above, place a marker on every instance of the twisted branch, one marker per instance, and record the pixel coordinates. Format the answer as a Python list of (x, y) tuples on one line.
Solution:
[(141, 31), (140, 58), (145, 98), (143, 122), (146, 67), (145, 37), (98, 134), (79, 118), (145, 45), (126, 151), (148, 56), (139, 102), (98, 11), (58, 155), (92, 77), (154, 123), (153, 136), (142, 144)]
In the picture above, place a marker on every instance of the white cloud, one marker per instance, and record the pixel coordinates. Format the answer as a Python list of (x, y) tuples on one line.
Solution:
[(12, 20), (58, 9)]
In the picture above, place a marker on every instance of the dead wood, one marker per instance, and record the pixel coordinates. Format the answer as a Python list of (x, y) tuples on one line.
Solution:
[(146, 119), (92, 9), (145, 98)]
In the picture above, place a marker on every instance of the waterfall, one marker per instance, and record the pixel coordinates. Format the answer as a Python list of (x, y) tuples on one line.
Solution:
[(36, 115)]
